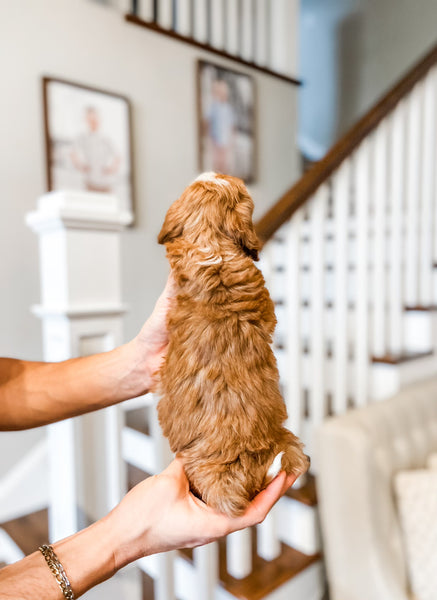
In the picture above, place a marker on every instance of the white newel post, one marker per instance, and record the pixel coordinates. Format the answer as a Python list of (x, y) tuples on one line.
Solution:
[(81, 313)]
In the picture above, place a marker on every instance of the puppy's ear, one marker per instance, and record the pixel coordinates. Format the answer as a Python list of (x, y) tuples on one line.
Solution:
[(249, 241), (172, 227), (239, 226)]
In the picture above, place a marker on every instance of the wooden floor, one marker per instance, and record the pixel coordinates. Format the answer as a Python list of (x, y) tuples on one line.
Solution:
[(29, 532)]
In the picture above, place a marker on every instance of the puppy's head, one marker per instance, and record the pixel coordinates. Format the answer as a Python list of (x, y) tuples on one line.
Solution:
[(213, 208)]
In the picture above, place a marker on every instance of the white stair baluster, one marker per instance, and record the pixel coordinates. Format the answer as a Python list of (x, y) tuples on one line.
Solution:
[(268, 544), (284, 15), (239, 553), (164, 584), (413, 195), (395, 252), (379, 194), (429, 166), (145, 11), (361, 351), (341, 191), (261, 51), (434, 216), (317, 212), (232, 42), (206, 561), (165, 13), (247, 30), (217, 24), (200, 21), (183, 20), (293, 392)]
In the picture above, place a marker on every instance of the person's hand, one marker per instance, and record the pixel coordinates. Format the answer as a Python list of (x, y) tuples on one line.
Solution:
[(150, 345), (161, 514)]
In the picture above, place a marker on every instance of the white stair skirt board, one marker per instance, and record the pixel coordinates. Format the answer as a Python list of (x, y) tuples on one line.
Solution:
[(126, 583), (387, 380), (9, 551), (138, 450), (24, 489), (298, 525), (308, 585), (419, 330)]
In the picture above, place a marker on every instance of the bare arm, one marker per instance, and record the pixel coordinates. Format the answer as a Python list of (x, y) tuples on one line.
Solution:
[(158, 514), (34, 393)]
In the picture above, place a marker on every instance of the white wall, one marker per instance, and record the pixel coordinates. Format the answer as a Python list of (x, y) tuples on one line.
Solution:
[(89, 43), (351, 52)]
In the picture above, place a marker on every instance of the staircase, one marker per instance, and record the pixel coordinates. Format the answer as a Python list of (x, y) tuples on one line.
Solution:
[(252, 33), (350, 258)]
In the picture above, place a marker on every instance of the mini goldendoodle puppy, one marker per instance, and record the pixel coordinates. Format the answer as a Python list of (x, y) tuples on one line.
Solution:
[(221, 408)]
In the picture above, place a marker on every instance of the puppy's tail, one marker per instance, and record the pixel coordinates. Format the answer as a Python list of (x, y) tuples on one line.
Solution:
[(291, 459), (223, 487)]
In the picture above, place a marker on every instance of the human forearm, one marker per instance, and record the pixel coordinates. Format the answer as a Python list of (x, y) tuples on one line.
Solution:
[(87, 558), (35, 394)]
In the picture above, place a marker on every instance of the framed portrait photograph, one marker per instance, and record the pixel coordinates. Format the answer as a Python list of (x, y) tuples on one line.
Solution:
[(88, 140), (227, 128)]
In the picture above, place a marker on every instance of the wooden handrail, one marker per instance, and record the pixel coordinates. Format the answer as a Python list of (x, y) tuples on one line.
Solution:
[(295, 197)]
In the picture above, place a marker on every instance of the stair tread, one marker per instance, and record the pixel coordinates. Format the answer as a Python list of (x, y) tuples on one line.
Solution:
[(396, 359), (306, 494), (29, 531), (137, 419), (266, 576)]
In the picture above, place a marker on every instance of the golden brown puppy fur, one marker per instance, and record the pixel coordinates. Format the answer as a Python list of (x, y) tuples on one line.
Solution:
[(221, 407)]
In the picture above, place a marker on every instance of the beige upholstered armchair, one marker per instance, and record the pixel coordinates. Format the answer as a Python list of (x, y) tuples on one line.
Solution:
[(359, 454)]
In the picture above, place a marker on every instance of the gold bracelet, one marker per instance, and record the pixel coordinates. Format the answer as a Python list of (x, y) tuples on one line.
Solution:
[(58, 570)]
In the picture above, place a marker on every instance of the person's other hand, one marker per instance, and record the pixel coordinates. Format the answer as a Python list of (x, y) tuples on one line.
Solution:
[(152, 341), (161, 514)]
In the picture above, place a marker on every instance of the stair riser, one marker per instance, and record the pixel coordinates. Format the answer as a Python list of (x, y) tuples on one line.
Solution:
[(298, 526), (420, 329), (387, 380)]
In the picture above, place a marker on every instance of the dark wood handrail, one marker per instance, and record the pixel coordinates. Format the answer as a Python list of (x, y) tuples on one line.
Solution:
[(208, 48), (295, 197)]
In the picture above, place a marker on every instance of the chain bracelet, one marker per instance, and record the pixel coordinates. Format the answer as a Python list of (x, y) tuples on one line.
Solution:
[(58, 571)]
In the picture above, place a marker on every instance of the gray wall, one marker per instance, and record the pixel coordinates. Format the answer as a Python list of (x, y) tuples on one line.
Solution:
[(351, 52), (89, 43)]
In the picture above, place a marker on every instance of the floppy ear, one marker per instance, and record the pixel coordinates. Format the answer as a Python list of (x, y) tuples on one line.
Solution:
[(249, 241), (172, 227), (239, 227)]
